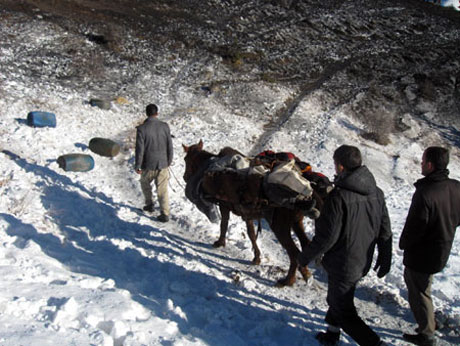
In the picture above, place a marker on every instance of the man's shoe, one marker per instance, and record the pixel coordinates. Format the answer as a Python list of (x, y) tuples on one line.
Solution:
[(148, 207), (163, 218), (328, 339), (420, 339)]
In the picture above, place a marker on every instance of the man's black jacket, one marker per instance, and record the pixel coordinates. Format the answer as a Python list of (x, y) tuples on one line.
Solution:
[(430, 226), (353, 220)]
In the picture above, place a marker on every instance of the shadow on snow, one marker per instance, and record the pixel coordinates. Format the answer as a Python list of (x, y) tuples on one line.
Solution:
[(216, 311)]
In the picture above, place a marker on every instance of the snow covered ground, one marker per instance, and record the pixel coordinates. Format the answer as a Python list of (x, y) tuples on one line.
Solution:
[(80, 265)]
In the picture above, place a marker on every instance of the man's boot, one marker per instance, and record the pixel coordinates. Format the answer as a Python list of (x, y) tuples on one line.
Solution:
[(328, 338), (163, 218), (420, 339), (148, 207)]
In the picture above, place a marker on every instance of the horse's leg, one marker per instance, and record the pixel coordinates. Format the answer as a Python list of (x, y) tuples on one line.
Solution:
[(299, 230), (225, 214), (253, 237), (281, 226)]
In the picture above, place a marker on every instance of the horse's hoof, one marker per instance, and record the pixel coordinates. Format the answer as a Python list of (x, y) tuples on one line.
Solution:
[(306, 274), (284, 282), (218, 244), (256, 261)]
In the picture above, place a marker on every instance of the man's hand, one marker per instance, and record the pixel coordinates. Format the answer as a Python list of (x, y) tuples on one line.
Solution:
[(138, 171), (383, 263), (380, 268)]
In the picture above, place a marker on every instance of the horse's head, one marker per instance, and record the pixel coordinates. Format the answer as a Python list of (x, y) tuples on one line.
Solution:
[(192, 158)]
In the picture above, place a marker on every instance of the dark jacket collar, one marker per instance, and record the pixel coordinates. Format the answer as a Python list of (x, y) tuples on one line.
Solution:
[(151, 118), (438, 175)]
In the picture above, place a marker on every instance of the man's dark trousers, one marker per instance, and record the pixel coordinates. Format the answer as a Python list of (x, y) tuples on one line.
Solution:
[(419, 289), (342, 313)]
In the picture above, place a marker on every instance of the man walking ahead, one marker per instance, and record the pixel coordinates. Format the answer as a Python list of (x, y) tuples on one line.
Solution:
[(427, 238), (154, 154), (353, 220)]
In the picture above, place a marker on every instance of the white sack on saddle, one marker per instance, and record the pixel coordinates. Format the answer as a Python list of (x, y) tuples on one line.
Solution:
[(235, 162), (286, 174), (259, 169)]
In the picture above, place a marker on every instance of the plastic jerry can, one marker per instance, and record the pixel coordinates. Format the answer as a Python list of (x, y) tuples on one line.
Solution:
[(41, 119), (102, 104), (76, 162), (104, 147)]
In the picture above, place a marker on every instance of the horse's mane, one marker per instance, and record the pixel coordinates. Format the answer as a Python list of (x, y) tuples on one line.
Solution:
[(202, 154)]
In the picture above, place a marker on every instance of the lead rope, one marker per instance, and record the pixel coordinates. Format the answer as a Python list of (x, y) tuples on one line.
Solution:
[(174, 176)]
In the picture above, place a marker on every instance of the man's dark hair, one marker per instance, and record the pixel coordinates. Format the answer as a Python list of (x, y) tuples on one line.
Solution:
[(151, 109), (438, 156), (348, 156)]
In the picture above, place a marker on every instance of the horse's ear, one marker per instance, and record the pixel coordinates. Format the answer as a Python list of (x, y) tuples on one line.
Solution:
[(200, 144), (185, 147)]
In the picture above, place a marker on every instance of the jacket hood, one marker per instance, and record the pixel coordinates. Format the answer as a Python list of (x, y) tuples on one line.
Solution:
[(360, 181)]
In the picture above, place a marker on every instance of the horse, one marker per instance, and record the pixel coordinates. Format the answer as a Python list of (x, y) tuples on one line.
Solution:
[(223, 190), (195, 158)]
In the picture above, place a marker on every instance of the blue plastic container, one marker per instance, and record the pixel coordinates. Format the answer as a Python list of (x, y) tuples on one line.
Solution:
[(41, 119), (76, 162)]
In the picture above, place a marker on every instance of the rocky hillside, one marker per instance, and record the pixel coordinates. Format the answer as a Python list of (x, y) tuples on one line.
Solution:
[(390, 64)]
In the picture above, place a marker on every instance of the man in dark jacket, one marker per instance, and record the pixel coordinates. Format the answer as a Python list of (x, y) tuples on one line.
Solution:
[(154, 154), (427, 238), (353, 221)]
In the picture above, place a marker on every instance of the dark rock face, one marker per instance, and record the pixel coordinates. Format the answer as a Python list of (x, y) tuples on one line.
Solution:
[(377, 60)]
